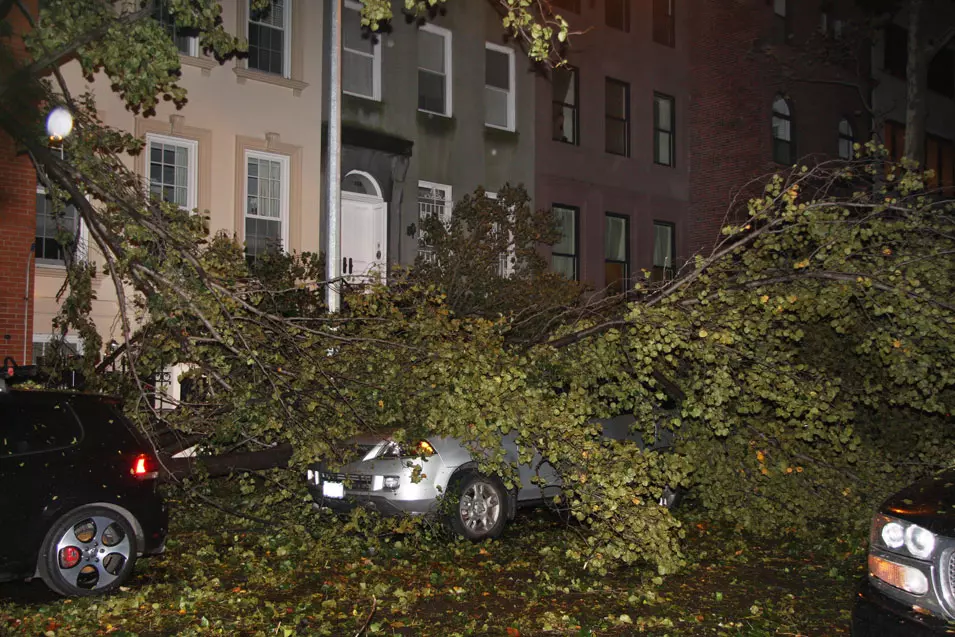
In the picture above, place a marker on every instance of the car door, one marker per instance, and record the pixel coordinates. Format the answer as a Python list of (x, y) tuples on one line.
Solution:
[(38, 434)]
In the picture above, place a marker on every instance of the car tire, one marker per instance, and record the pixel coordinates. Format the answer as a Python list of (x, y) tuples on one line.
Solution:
[(480, 508), (89, 551)]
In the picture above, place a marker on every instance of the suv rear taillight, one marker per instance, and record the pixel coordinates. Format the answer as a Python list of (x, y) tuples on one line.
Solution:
[(144, 467)]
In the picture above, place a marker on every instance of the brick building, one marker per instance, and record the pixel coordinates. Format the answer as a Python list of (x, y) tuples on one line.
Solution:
[(668, 109), (754, 111), (17, 232), (612, 142)]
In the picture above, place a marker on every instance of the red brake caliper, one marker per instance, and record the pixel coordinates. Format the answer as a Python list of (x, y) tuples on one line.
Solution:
[(69, 557)]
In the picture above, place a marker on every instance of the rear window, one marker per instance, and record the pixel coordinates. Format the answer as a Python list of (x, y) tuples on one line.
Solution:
[(40, 423), (106, 425)]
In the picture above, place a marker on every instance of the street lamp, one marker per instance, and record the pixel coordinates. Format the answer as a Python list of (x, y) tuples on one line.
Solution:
[(59, 123)]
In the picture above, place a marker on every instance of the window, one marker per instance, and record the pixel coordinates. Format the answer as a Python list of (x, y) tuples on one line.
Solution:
[(268, 38), (185, 43), (940, 157), (782, 131), (846, 139), (564, 258), (361, 56), (664, 22), (47, 348), (616, 253), (617, 117), (567, 5), (781, 28), (941, 73), (508, 258), (664, 148), (52, 228), (895, 140), (499, 107), (266, 203), (618, 15), (434, 70), (664, 250), (896, 50), (38, 424), (565, 105), (172, 169), (433, 199)]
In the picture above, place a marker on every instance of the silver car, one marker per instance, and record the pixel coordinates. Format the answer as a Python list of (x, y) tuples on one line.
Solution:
[(392, 480)]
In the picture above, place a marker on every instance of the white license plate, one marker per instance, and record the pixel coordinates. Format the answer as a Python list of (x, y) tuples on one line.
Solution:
[(333, 489)]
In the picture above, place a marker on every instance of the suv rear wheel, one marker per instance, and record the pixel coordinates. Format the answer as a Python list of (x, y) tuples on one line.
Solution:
[(88, 551)]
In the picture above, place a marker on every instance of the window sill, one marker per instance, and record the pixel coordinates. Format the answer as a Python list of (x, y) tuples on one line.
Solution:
[(359, 96), (433, 114), (243, 74), (204, 63), (52, 270), (565, 142)]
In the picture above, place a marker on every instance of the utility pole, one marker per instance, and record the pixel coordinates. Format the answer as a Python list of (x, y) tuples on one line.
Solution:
[(333, 270)]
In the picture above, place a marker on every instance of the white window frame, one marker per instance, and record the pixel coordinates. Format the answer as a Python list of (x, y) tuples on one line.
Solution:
[(283, 204), (81, 252), (506, 266), (192, 172), (192, 42), (352, 5), (72, 339), (445, 217), (448, 69), (286, 30), (511, 90)]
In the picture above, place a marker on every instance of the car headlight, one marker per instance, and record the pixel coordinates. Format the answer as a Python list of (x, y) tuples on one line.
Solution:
[(901, 536), (920, 542), (421, 448)]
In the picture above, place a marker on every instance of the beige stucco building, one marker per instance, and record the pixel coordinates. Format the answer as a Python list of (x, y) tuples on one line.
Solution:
[(246, 147)]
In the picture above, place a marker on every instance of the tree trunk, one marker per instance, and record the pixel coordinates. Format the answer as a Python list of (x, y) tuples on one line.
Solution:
[(916, 86), (274, 458)]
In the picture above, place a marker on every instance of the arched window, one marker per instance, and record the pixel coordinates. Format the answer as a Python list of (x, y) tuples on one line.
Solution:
[(361, 183), (782, 131), (846, 139)]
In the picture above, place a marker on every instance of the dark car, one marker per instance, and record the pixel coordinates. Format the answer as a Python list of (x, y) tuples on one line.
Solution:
[(79, 499), (910, 586)]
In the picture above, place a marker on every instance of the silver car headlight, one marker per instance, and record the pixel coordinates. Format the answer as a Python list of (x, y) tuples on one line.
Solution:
[(901, 536)]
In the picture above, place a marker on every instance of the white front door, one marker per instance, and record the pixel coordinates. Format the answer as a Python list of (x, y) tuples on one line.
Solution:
[(364, 245)]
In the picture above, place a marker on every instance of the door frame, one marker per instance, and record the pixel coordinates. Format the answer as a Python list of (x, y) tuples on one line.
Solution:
[(376, 199)]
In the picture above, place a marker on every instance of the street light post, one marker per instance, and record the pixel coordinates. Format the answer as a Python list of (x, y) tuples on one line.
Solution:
[(333, 269)]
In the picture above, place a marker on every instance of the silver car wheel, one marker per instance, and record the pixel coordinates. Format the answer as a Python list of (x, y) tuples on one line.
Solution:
[(89, 551), (92, 553), (480, 507)]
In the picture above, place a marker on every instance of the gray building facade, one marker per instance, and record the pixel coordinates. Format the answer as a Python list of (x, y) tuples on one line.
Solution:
[(431, 110)]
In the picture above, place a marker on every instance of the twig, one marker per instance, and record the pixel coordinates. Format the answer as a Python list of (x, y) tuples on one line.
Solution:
[(364, 626)]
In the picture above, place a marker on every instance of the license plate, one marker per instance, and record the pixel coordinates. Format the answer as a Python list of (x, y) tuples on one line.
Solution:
[(333, 489)]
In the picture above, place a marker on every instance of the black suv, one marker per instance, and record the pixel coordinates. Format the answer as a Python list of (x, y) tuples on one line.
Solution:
[(80, 500), (910, 587)]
